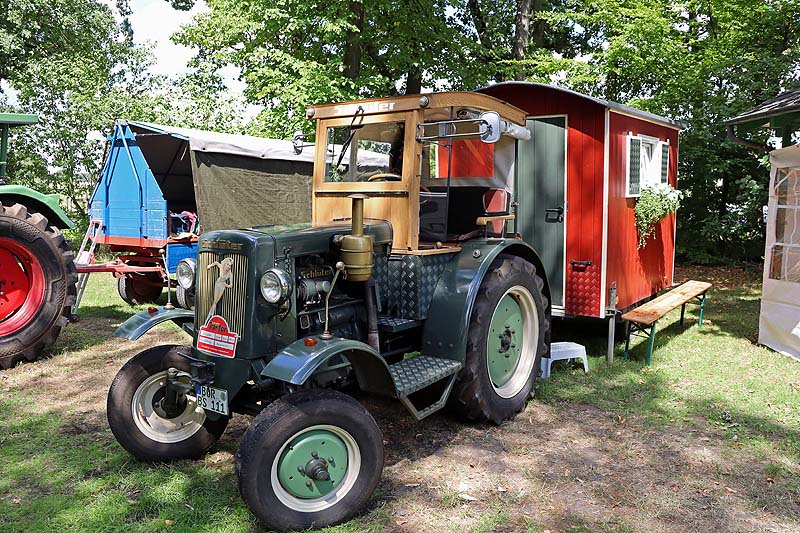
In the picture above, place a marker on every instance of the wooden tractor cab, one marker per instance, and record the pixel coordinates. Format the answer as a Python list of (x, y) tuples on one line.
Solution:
[(448, 170), (407, 253), (37, 274)]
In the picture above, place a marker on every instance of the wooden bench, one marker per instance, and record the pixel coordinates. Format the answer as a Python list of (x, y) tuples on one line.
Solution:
[(642, 320)]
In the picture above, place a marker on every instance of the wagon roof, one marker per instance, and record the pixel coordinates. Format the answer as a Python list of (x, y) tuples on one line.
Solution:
[(227, 143), (605, 103), (244, 145)]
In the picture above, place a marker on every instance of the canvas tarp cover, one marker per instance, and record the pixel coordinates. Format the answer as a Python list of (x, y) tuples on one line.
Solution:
[(235, 191), (240, 181), (779, 323)]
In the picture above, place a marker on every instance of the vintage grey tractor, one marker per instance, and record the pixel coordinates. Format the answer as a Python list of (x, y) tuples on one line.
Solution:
[(37, 273), (407, 283)]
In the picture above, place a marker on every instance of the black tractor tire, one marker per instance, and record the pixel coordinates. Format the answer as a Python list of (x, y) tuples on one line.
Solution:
[(137, 289), (271, 431), (185, 297), (474, 396), (135, 374), (32, 231)]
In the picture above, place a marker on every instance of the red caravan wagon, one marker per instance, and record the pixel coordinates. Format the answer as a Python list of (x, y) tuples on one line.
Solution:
[(577, 183)]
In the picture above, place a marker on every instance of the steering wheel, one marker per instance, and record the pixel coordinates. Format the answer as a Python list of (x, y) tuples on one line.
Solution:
[(385, 176)]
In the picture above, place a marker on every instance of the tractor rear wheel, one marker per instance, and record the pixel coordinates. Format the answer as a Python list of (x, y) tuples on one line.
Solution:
[(310, 459), (37, 284), (507, 337), (138, 289)]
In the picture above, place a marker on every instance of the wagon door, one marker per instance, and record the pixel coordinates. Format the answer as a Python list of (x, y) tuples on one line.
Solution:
[(540, 183)]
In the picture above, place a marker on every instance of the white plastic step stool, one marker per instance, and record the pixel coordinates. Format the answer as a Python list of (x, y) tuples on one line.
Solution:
[(562, 351)]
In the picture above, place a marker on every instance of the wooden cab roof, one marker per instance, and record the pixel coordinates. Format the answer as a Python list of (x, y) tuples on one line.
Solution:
[(416, 102)]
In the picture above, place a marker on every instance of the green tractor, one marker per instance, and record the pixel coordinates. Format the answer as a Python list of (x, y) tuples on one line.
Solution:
[(408, 283), (37, 273)]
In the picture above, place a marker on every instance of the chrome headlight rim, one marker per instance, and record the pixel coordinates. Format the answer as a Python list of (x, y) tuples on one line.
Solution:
[(283, 281), (191, 264)]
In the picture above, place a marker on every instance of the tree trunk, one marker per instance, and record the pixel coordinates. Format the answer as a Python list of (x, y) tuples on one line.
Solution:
[(521, 36), (353, 52), (537, 7), (413, 81)]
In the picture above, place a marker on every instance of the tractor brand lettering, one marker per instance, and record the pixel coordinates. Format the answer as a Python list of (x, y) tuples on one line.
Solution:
[(368, 107), (222, 244), (215, 338)]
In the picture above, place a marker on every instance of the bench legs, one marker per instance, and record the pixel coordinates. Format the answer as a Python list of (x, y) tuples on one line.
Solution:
[(650, 344), (702, 308), (641, 330), (702, 305)]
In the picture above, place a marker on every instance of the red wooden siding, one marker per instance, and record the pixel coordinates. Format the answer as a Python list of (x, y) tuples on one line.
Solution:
[(584, 231), (638, 273)]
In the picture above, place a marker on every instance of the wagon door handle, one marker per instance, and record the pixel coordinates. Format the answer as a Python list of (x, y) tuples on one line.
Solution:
[(554, 214)]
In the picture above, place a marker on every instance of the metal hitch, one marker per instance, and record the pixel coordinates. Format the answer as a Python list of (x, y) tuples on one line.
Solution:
[(174, 400)]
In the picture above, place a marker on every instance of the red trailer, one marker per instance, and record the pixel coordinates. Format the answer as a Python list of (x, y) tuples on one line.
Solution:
[(578, 181)]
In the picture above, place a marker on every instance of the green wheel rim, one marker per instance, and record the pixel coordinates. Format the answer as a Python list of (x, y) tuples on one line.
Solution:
[(316, 445), (512, 341), (292, 472)]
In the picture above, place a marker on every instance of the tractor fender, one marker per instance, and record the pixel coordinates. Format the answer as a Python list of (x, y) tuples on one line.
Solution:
[(298, 361), (445, 331), (144, 321), (46, 204)]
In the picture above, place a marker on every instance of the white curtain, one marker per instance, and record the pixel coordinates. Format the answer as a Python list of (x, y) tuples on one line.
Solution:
[(779, 324)]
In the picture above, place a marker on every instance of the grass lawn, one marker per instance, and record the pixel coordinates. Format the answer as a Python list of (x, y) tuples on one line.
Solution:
[(705, 439)]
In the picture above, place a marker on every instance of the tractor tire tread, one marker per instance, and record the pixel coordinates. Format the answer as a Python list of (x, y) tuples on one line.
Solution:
[(467, 397), (31, 226)]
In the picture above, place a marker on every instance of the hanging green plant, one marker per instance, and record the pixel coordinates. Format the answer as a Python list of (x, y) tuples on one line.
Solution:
[(654, 203)]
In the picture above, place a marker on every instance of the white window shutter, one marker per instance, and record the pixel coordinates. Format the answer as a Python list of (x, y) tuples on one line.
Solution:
[(665, 162), (634, 174)]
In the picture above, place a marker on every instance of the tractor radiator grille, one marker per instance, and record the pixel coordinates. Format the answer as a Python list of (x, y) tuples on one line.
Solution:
[(232, 305)]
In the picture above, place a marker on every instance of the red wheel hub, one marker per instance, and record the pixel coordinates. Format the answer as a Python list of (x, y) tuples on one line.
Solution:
[(22, 286)]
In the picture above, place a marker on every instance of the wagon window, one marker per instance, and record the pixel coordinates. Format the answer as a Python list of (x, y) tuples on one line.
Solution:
[(647, 163)]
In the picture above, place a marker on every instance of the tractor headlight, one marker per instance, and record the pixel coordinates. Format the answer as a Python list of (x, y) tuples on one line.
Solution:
[(276, 286), (184, 273)]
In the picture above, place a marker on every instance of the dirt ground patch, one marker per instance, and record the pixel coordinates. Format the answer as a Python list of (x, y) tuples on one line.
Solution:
[(561, 465)]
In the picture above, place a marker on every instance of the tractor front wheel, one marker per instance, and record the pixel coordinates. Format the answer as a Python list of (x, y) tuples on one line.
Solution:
[(506, 340), (311, 459), (185, 297), (37, 284), (141, 421)]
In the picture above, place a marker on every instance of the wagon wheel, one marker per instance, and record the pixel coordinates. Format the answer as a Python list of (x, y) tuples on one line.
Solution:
[(138, 289), (508, 334), (37, 284), (310, 459), (141, 423)]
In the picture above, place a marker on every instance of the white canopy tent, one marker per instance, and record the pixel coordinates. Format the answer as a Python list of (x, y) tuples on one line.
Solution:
[(779, 323)]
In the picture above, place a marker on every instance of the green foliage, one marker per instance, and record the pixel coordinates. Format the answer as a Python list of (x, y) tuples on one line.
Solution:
[(654, 203), (84, 74), (700, 62)]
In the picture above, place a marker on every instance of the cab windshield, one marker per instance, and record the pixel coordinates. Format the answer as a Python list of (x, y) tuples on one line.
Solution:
[(365, 152)]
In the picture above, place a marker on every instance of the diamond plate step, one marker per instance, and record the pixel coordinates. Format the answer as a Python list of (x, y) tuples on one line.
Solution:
[(416, 373), (394, 325)]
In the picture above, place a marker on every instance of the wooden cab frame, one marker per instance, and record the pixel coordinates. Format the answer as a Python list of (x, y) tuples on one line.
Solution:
[(395, 201)]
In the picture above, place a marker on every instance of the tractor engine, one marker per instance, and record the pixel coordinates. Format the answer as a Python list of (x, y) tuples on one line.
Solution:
[(262, 289)]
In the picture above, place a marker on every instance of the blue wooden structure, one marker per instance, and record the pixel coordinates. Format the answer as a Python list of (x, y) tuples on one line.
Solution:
[(149, 183)]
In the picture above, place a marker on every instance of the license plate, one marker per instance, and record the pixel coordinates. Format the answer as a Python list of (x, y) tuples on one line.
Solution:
[(212, 399)]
